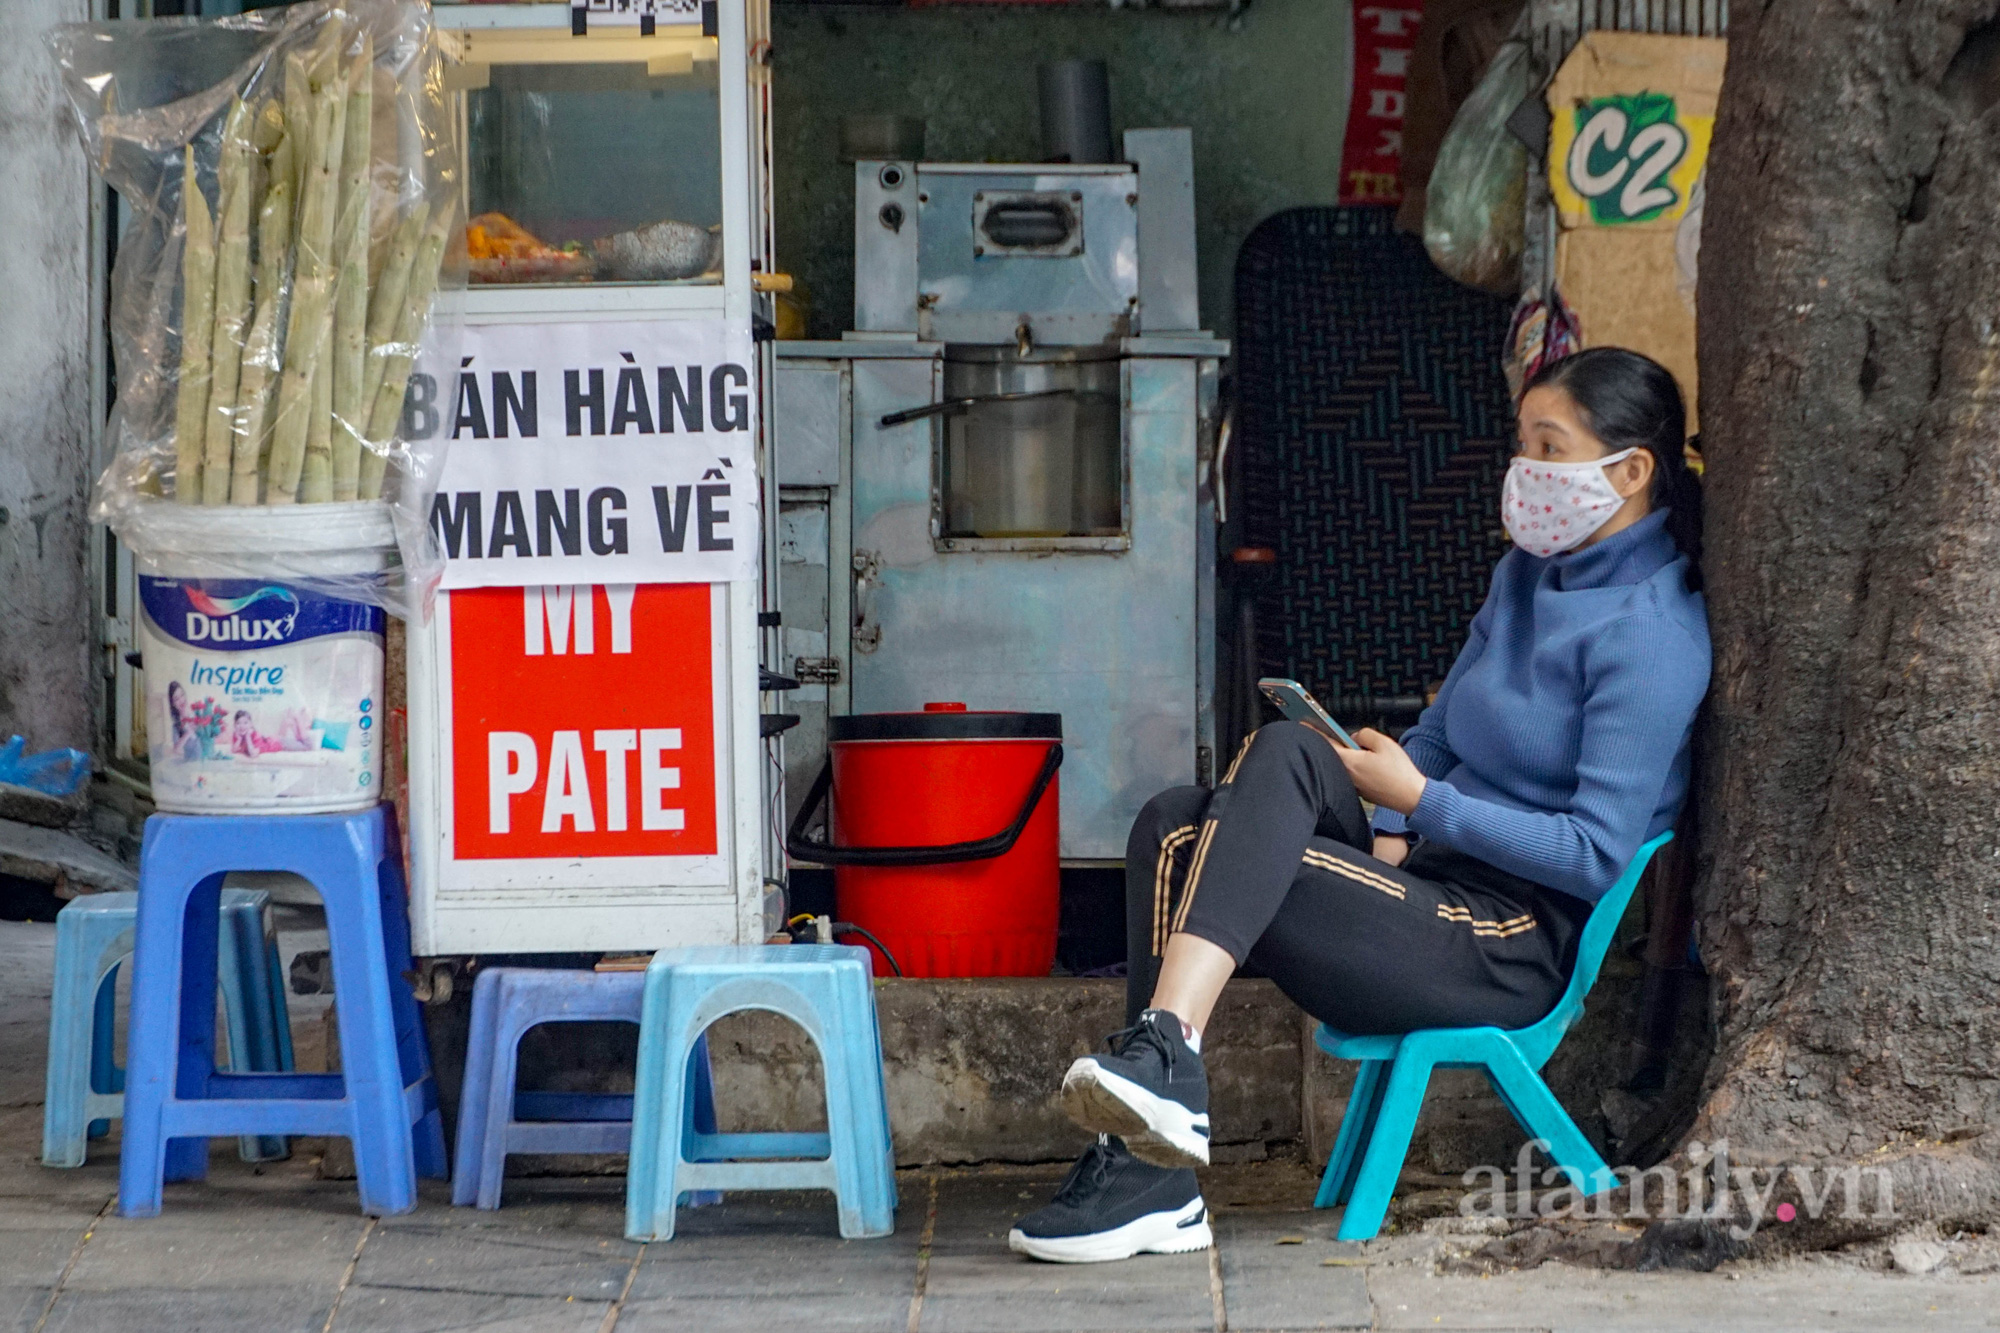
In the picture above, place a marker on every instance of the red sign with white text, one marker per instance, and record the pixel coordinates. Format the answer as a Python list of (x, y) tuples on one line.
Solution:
[(1371, 158), (583, 721)]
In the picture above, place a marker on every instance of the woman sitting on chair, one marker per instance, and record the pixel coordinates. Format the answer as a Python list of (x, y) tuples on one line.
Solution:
[(1557, 746)]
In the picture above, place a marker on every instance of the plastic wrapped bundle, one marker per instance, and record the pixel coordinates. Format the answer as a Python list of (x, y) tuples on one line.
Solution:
[(1473, 206), (294, 185)]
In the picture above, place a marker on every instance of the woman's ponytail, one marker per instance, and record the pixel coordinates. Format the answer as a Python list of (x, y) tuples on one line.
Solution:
[(1631, 401), (1679, 490)]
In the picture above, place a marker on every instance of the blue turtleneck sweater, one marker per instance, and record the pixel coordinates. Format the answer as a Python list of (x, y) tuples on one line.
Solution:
[(1560, 741)]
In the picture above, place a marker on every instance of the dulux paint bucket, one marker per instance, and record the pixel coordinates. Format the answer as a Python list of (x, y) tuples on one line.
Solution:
[(260, 697)]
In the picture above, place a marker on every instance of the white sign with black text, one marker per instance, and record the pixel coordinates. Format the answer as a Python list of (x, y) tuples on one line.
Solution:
[(599, 453)]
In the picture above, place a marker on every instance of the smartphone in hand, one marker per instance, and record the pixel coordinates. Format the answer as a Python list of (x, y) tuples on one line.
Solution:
[(1298, 706)]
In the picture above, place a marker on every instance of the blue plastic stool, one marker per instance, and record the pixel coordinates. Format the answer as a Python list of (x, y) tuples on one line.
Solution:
[(1389, 1091), (824, 988), (495, 1119), (176, 1098), (86, 1088)]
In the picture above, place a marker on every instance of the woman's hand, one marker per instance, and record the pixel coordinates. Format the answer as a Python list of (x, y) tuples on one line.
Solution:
[(1382, 773), (1391, 848)]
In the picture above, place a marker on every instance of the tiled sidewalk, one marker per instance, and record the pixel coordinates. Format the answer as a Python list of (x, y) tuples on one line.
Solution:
[(278, 1250), (275, 1249)]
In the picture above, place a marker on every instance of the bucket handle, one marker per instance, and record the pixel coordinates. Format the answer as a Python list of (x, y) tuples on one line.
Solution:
[(805, 848)]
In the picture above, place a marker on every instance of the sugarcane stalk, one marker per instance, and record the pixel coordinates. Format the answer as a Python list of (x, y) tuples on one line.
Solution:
[(232, 303), (307, 73), (298, 123), (197, 328), (312, 294), (323, 57), (285, 167), (316, 477), (385, 303), (268, 130), (350, 306), (263, 349), (388, 404), (305, 343), (260, 349)]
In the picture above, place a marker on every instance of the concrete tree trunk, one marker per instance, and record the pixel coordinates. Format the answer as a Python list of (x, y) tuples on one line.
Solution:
[(45, 398), (1850, 362)]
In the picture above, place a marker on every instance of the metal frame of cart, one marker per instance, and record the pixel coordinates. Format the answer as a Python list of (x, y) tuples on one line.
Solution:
[(462, 905)]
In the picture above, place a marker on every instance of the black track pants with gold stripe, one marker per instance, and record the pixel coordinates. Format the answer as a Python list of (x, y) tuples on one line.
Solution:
[(1272, 866)]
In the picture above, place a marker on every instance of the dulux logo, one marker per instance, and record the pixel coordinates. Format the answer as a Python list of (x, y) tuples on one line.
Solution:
[(217, 619)]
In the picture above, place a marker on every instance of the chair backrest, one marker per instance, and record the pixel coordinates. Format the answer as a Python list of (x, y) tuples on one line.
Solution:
[(1539, 1041)]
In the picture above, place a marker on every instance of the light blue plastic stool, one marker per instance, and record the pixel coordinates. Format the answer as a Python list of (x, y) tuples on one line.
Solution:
[(827, 990), (495, 1119), (1389, 1090), (176, 1099), (86, 1088)]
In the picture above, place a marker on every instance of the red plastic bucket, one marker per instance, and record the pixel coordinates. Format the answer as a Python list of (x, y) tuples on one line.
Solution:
[(945, 837)]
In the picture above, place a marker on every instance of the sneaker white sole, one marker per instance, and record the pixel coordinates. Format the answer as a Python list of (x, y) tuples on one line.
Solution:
[(1179, 1232), (1158, 1131)]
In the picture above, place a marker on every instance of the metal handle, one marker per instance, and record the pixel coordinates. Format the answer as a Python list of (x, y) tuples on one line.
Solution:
[(1036, 222), (804, 848), (953, 406), (1218, 471)]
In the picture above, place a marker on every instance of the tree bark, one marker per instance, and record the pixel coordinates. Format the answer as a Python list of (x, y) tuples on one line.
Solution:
[(1850, 360)]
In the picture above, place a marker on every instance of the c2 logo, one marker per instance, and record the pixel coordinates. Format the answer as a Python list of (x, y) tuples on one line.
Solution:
[(1625, 148)]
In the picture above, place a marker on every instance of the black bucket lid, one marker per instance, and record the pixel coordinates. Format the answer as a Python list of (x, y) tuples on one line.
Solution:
[(945, 723)]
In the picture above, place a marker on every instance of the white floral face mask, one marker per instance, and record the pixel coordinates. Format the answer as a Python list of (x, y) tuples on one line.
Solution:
[(1550, 508)]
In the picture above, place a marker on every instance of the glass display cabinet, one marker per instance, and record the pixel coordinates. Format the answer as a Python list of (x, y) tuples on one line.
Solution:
[(607, 168)]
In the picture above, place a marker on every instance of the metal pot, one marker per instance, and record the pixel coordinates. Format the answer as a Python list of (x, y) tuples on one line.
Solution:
[(1031, 446)]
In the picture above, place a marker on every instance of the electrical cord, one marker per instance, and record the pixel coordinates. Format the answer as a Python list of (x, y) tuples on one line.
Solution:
[(802, 929), (849, 928), (776, 812)]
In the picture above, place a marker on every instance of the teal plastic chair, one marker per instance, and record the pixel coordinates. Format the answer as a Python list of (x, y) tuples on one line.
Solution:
[(1389, 1091)]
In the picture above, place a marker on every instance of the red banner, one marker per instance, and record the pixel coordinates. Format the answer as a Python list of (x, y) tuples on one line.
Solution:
[(1371, 159), (583, 721)]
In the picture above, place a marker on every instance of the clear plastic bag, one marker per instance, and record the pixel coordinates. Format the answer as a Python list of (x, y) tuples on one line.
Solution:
[(1473, 208), (280, 285)]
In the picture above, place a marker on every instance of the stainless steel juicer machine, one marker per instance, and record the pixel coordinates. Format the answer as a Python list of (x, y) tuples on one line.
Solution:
[(995, 489)]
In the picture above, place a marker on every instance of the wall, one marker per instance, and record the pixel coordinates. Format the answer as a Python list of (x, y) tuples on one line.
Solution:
[(971, 1066), (1264, 91), (45, 407)]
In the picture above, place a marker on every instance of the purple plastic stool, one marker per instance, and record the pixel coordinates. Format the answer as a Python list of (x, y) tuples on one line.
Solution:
[(494, 1119)]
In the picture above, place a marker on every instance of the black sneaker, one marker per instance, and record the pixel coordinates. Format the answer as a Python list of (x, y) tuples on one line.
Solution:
[(1114, 1206), (1151, 1090)]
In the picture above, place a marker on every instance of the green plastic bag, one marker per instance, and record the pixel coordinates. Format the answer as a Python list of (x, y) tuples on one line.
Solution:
[(1473, 225)]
